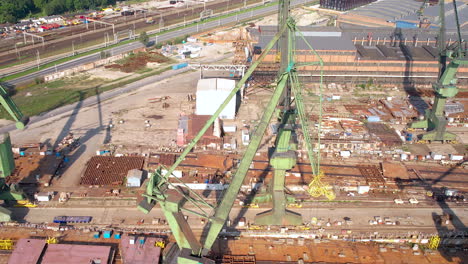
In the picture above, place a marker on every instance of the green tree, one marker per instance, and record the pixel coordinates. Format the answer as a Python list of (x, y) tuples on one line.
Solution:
[(70, 5), (78, 4), (40, 3), (144, 38)]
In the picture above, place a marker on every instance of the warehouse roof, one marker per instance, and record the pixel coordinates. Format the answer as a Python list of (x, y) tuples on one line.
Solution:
[(216, 84), (318, 43), (432, 13), (387, 9), (76, 254), (146, 253), (27, 251)]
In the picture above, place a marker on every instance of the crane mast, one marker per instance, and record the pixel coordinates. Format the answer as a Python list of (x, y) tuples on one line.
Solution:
[(435, 121), (7, 163), (287, 99)]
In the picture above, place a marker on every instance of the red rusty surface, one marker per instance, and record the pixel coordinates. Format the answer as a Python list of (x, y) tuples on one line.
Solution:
[(76, 254), (104, 170), (137, 253), (27, 251)]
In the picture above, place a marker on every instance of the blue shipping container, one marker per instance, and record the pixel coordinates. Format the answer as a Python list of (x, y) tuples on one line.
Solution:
[(96, 235), (107, 234), (117, 236), (406, 24), (180, 66), (409, 137)]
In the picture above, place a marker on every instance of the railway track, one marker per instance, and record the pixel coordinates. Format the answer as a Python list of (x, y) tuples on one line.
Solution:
[(78, 35)]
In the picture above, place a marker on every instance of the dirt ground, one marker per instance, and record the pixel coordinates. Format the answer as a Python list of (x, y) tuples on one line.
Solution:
[(103, 73), (302, 16), (334, 252)]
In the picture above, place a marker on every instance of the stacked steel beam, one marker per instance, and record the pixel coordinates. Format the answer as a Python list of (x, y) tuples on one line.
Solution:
[(343, 5), (104, 170)]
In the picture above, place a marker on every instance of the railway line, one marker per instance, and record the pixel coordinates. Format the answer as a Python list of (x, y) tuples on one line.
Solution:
[(79, 35)]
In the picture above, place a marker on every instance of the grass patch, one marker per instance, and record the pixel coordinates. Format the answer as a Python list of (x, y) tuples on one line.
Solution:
[(40, 98)]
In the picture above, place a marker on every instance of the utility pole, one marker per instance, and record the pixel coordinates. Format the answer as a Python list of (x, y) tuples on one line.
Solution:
[(38, 59), (16, 50)]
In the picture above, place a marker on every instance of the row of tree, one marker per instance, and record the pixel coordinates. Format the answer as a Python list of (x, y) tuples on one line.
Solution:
[(13, 10)]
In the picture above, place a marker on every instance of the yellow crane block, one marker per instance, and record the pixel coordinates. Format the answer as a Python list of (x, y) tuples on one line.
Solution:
[(434, 242), (160, 244), (51, 240), (278, 57), (317, 188), (6, 244)]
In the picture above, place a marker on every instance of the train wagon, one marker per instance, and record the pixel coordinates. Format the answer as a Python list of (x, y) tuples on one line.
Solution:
[(72, 219)]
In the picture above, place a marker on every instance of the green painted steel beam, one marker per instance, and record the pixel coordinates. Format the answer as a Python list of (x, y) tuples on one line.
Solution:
[(222, 211), (12, 109)]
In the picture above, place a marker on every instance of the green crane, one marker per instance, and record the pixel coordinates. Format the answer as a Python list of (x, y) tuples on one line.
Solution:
[(445, 87), (172, 198), (7, 163)]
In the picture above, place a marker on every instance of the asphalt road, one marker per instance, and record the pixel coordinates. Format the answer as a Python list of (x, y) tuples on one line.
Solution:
[(161, 38), (105, 96), (410, 218)]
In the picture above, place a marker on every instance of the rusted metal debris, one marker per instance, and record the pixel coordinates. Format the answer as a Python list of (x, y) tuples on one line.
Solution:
[(372, 174), (238, 259)]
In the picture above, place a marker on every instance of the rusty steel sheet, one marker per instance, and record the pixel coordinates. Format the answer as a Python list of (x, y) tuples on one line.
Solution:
[(105, 170), (372, 174)]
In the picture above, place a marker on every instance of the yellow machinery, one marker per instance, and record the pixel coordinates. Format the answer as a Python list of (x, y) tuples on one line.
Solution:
[(6, 244), (434, 242), (52, 240), (160, 244), (317, 188), (25, 203)]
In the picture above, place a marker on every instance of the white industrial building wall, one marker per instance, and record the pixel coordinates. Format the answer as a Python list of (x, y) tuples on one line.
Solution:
[(211, 93)]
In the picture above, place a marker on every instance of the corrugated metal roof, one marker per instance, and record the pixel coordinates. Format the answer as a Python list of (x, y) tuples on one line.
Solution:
[(432, 13), (75, 254), (318, 34), (318, 43), (27, 251), (138, 174), (387, 9), (216, 84), (147, 253)]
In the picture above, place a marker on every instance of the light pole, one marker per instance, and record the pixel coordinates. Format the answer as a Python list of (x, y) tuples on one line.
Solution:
[(38, 59)]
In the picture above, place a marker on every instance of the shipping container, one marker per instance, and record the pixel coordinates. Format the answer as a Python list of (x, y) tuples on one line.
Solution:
[(409, 137), (72, 219), (406, 24), (180, 66), (107, 234)]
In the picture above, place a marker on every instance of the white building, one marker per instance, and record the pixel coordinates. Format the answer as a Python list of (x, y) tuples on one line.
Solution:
[(51, 19), (134, 178), (211, 93)]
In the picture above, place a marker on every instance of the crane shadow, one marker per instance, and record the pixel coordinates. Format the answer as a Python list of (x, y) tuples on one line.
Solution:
[(443, 231), (73, 153)]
